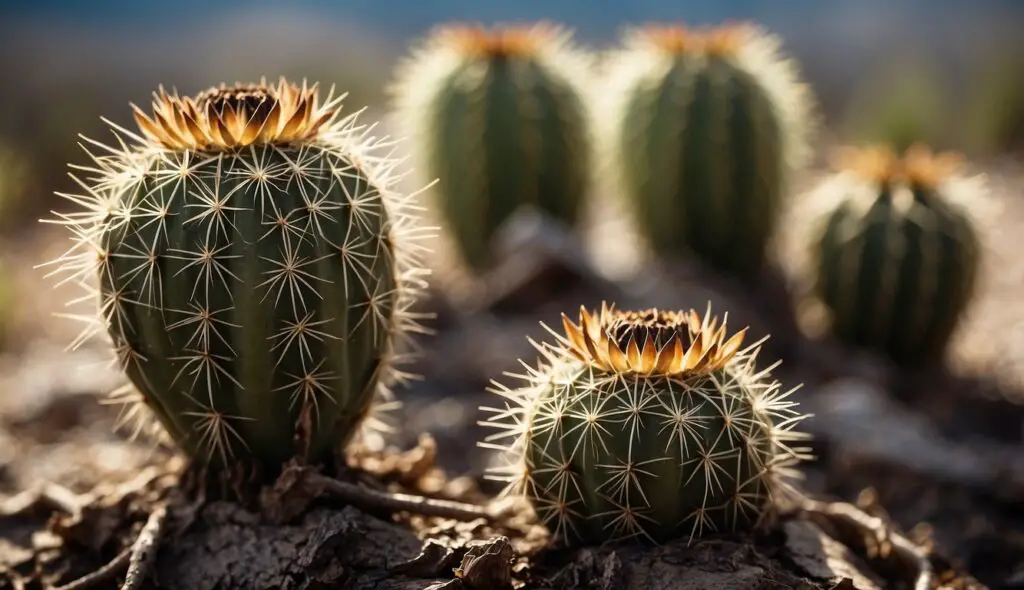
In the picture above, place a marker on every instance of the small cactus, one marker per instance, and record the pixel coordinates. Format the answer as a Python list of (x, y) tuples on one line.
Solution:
[(703, 130), (254, 268), (498, 118), (651, 424), (896, 255)]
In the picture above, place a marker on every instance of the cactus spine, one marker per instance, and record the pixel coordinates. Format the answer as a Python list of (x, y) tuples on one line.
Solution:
[(703, 131), (255, 270), (647, 424), (897, 254), (498, 118)]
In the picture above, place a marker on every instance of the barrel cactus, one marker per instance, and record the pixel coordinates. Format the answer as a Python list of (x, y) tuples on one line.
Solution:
[(703, 131), (255, 270), (896, 254), (498, 118), (646, 424)]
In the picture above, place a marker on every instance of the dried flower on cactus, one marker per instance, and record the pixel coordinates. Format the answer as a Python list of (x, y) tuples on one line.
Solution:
[(650, 342), (228, 117)]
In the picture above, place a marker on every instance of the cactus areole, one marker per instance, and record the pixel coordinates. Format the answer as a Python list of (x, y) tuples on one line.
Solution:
[(646, 424), (254, 268), (897, 252)]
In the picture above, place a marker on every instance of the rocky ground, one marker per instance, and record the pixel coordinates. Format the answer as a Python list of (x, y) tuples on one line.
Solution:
[(918, 480)]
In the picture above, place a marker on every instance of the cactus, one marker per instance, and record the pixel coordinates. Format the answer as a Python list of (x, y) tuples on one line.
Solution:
[(649, 424), (254, 268), (897, 254), (703, 130), (498, 118)]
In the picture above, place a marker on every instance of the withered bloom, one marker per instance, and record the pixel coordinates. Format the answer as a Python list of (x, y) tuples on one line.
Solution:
[(919, 165), (228, 117), (651, 342), (507, 41), (676, 39)]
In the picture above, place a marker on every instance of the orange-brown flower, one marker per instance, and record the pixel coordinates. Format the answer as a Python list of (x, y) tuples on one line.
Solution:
[(229, 117), (722, 40), (650, 342), (919, 165), (512, 40)]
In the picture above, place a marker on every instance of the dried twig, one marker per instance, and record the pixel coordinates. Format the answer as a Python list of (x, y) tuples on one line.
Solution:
[(145, 548), (374, 499), (104, 574), (138, 558), (51, 495)]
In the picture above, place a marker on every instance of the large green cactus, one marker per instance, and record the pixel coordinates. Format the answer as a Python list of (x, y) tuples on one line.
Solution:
[(896, 255), (646, 424), (703, 130), (255, 270), (498, 118)]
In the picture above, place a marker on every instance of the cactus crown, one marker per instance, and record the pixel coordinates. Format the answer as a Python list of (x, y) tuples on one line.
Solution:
[(229, 117), (919, 166), (650, 342), (504, 41), (723, 40)]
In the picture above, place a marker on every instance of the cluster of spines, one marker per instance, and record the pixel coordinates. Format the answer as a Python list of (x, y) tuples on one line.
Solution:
[(897, 253), (499, 118), (605, 456), (139, 188), (702, 130)]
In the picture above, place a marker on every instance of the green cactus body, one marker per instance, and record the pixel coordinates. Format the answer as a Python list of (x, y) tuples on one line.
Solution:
[(897, 256), (703, 131), (255, 273), (498, 119), (627, 432)]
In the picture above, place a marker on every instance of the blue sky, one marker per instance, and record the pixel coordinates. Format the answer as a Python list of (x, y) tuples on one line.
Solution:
[(596, 17)]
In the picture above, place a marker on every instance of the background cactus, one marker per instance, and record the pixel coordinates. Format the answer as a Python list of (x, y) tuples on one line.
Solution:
[(255, 271), (703, 129), (498, 118), (897, 255), (646, 424)]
